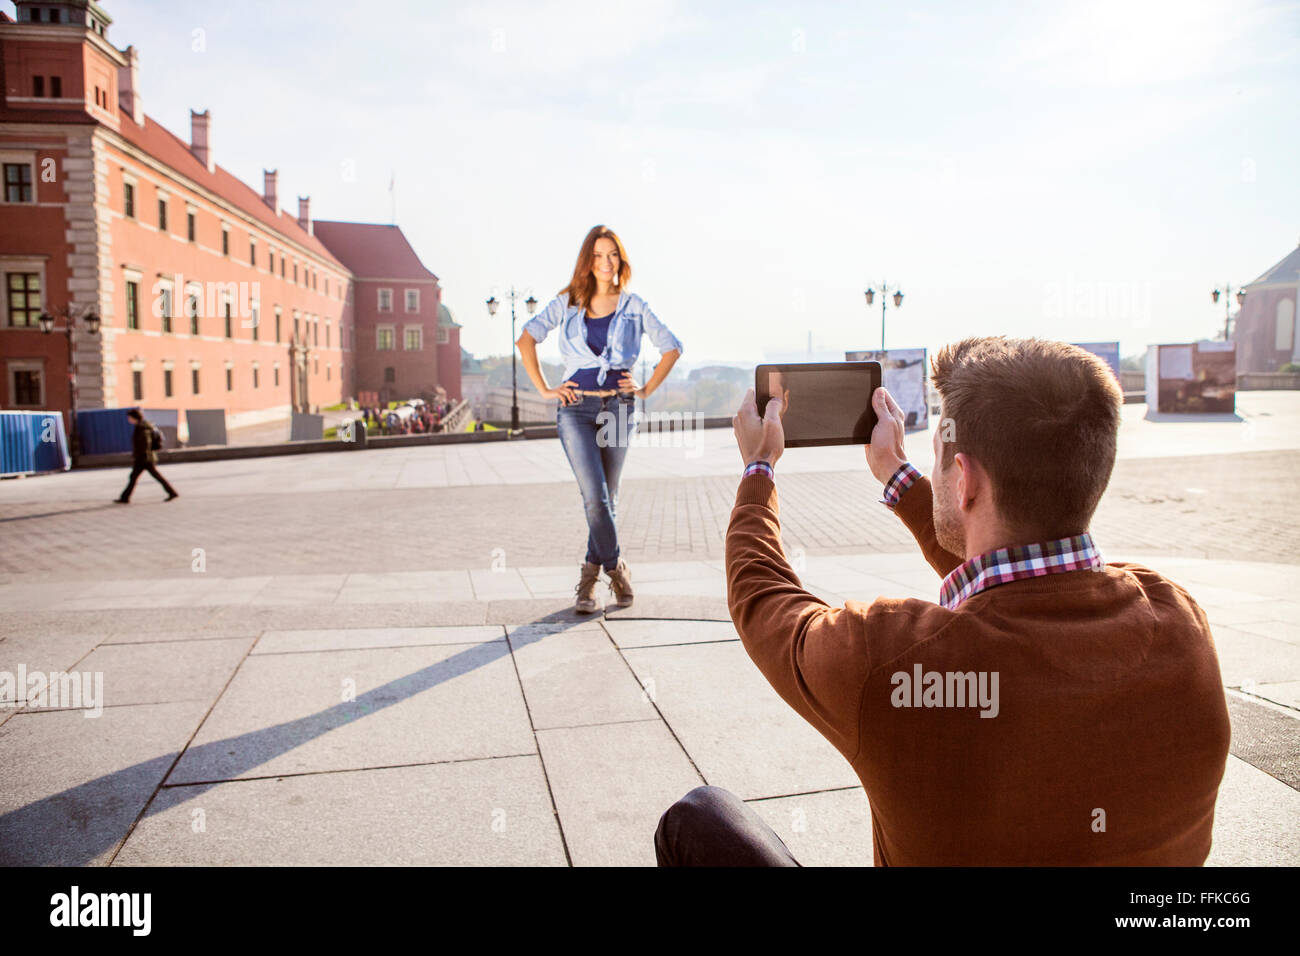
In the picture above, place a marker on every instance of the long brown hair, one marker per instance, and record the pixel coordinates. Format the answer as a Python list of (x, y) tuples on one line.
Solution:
[(583, 284)]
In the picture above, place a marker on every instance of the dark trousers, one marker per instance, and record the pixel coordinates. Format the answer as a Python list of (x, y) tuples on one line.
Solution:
[(714, 827), (136, 469)]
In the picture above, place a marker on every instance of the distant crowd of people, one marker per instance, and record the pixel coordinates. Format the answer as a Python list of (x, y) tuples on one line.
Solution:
[(420, 419)]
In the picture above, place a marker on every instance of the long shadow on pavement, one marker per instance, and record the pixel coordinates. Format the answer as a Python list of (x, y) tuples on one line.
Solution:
[(73, 827)]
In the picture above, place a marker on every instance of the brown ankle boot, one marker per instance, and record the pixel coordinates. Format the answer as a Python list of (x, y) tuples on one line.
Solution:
[(620, 582), (586, 602)]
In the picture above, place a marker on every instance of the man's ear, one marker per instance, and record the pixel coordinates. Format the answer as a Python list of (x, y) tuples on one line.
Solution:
[(971, 481)]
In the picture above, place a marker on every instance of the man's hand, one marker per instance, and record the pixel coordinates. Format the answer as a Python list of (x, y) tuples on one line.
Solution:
[(885, 454), (759, 438)]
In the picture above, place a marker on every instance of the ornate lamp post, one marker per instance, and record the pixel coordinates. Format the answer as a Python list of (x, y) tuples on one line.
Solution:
[(884, 300), (1227, 306), (70, 314), (492, 304)]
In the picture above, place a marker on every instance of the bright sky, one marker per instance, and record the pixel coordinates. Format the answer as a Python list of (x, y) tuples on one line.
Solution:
[(1086, 171)]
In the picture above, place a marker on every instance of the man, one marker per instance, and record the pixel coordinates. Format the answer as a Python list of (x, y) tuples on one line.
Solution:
[(144, 457), (1050, 709)]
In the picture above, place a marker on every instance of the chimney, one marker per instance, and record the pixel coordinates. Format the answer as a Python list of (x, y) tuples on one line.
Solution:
[(201, 138), (268, 190), (128, 87), (304, 214)]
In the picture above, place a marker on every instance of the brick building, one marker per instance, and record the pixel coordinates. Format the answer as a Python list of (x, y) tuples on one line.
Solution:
[(408, 343), (1266, 330), (210, 295)]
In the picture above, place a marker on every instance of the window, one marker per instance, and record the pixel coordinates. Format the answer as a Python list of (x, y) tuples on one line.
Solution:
[(38, 86), (18, 182), (327, 333), (230, 334), (297, 328), (225, 242), (444, 335), (295, 272), (133, 305), (277, 325), (276, 376), (257, 319), (252, 252), (315, 331), (162, 214), (316, 369), (137, 385), (385, 300), (384, 339), (56, 87), (281, 265), (412, 300), (390, 375), (1284, 334), (128, 201), (254, 376), (165, 307), (194, 380), (270, 260), (193, 309), (167, 382), (230, 380), (24, 291), (414, 338), (25, 384), (327, 373), (189, 226)]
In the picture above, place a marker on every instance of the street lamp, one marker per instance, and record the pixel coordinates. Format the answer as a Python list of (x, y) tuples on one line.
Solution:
[(884, 301), (531, 304), (69, 315), (1227, 305)]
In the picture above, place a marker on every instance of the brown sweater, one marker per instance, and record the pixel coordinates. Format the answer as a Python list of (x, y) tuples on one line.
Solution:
[(1111, 727)]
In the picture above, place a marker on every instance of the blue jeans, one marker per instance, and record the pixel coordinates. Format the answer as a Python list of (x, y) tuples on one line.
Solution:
[(595, 433)]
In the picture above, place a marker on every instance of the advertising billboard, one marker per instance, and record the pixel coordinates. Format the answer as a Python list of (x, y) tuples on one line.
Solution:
[(905, 373)]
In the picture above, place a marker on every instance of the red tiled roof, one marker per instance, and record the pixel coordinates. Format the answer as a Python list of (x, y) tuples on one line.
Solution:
[(165, 146), (372, 250)]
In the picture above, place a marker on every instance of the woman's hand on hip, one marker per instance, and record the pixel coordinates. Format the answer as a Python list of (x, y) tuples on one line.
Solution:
[(564, 392), (628, 384)]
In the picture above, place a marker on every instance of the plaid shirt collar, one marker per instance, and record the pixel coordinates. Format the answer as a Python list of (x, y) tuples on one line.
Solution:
[(1077, 553)]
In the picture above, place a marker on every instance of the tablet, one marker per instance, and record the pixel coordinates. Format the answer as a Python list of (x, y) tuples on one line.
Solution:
[(826, 403)]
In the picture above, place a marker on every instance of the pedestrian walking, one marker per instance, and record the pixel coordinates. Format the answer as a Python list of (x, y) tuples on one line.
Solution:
[(145, 442)]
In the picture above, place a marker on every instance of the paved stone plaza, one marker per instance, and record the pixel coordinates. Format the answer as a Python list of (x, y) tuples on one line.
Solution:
[(369, 657)]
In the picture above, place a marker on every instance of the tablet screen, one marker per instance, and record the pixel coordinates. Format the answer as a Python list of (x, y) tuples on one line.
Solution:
[(825, 403)]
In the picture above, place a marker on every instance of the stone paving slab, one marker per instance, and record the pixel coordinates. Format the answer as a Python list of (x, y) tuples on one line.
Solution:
[(713, 698), (160, 673), (642, 633), (1250, 657), (50, 653), (1256, 820), (285, 713), (831, 828), (494, 812), (611, 783), (76, 809), (288, 642), (574, 676)]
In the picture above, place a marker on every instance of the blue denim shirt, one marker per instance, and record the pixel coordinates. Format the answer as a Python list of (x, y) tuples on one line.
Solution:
[(632, 319)]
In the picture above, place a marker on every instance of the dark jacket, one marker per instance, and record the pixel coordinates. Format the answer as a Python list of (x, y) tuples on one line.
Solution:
[(142, 444)]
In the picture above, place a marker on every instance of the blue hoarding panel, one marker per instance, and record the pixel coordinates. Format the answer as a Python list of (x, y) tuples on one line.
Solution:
[(103, 431), (31, 442)]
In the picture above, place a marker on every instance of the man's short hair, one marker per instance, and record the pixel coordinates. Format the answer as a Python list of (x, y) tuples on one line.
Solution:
[(135, 413), (1041, 417)]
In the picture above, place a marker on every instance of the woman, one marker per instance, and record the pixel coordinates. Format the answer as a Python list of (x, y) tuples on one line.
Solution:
[(601, 325)]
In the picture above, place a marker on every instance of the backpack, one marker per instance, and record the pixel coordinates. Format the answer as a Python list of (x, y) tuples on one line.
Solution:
[(155, 438)]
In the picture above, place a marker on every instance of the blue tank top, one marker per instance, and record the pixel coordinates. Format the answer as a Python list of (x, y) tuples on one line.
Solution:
[(597, 336)]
